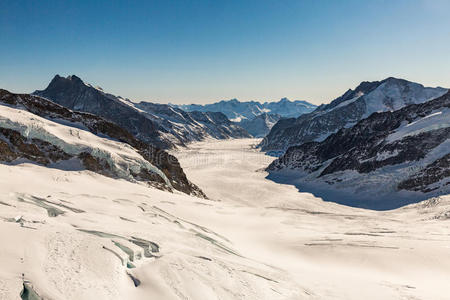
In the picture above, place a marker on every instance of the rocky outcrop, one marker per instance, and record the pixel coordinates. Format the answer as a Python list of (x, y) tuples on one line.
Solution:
[(354, 105), (426, 180), (14, 145)]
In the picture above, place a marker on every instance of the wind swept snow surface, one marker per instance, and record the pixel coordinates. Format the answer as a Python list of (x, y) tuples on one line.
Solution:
[(113, 239)]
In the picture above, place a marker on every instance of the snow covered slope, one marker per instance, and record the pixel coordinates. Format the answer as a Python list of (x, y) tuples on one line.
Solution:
[(384, 161), (35, 129), (158, 124), (83, 236), (369, 97), (119, 158), (238, 111), (78, 236)]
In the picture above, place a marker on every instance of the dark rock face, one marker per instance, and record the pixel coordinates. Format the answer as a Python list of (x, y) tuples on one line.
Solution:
[(374, 144), (260, 125), (93, 164), (14, 146), (159, 124), (423, 181), (412, 148), (354, 105)]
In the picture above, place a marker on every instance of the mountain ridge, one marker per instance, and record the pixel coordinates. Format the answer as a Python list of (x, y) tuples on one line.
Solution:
[(346, 110), (238, 111), (140, 119)]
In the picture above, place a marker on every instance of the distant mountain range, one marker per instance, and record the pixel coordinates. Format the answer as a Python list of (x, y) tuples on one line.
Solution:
[(344, 112), (238, 111), (255, 117), (260, 125), (159, 124), (385, 160)]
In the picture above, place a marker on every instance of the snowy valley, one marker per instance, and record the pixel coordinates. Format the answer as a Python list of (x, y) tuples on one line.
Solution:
[(91, 210), (81, 235)]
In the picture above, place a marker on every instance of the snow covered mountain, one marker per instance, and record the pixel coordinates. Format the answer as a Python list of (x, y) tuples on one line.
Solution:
[(238, 111), (384, 161), (159, 124), (369, 97), (38, 130), (260, 125), (192, 126)]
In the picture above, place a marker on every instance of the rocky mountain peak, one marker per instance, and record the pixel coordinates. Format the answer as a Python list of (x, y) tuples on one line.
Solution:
[(75, 79), (64, 81), (366, 87)]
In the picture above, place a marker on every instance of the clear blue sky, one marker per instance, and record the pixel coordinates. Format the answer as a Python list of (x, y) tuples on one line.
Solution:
[(204, 51)]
